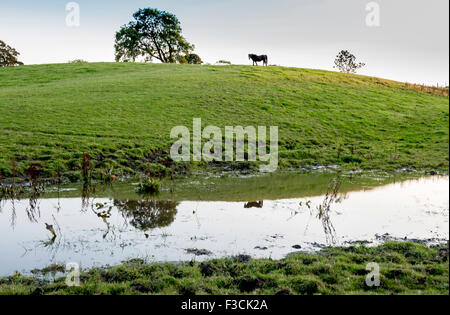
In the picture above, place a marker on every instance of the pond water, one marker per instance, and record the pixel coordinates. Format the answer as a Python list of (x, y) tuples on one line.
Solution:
[(203, 218)]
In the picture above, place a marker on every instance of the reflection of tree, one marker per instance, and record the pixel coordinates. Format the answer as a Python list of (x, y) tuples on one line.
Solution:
[(324, 209), (33, 210), (148, 214), (86, 193)]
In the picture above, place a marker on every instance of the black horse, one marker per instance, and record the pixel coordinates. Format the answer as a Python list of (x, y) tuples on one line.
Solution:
[(256, 59)]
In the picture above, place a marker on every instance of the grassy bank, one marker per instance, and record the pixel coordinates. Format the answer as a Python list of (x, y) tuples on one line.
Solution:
[(121, 115), (405, 268)]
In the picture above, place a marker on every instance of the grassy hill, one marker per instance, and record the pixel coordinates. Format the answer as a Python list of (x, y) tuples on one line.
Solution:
[(122, 114)]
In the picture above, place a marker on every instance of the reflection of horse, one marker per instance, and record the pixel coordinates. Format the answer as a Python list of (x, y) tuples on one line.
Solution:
[(254, 204), (256, 59)]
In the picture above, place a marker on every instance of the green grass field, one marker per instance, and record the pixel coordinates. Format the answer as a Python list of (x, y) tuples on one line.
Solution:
[(122, 114), (405, 268)]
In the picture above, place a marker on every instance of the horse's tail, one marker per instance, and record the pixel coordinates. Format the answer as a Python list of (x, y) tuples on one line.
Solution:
[(266, 60)]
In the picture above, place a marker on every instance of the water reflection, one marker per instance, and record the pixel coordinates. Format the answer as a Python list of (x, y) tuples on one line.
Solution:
[(148, 214), (87, 191), (254, 204), (103, 211), (324, 209), (33, 209), (112, 228)]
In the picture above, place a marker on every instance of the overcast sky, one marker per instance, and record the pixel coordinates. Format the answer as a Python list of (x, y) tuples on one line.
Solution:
[(411, 43)]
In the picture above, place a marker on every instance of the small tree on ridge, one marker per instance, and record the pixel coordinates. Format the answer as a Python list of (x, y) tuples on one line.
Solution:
[(346, 62)]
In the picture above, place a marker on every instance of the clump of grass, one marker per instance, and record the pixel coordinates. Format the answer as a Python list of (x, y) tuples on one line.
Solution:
[(223, 62), (86, 166), (51, 269), (107, 176), (149, 186), (78, 61), (6, 192)]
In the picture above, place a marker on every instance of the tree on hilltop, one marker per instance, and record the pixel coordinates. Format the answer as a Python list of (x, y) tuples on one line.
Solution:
[(153, 34), (8, 56), (346, 62)]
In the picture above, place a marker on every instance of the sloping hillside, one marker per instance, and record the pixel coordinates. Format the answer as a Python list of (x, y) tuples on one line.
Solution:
[(122, 114)]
